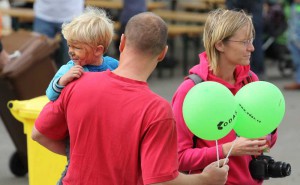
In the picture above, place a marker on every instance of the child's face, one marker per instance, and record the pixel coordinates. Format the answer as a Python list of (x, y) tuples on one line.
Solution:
[(82, 54)]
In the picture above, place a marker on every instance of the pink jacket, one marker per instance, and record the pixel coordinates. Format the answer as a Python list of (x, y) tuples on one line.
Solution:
[(195, 159)]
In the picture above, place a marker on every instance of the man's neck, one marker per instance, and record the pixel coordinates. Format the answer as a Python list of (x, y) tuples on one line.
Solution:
[(135, 66)]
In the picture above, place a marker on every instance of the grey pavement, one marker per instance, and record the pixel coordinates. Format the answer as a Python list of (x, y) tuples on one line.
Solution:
[(286, 149)]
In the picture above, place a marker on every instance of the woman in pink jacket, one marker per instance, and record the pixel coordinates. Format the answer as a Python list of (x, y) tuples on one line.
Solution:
[(227, 38)]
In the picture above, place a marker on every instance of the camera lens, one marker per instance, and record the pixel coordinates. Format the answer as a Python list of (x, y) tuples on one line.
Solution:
[(279, 169), (286, 169)]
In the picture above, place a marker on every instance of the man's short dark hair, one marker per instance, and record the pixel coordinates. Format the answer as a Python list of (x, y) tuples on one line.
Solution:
[(147, 32)]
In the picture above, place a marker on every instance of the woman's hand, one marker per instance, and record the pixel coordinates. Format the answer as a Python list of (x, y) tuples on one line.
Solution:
[(244, 146)]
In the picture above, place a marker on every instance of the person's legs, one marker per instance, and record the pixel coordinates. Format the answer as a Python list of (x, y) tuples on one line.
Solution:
[(255, 8), (64, 51), (68, 162), (231, 4), (62, 56), (257, 62), (44, 27), (295, 54), (117, 42), (51, 29)]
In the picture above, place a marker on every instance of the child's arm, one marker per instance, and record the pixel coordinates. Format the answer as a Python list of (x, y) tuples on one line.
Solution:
[(56, 85), (74, 73)]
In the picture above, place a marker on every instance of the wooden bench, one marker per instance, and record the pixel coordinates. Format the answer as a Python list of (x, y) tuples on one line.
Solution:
[(191, 26), (182, 16), (185, 32), (18, 15), (118, 5), (26, 13), (195, 6), (178, 30), (216, 3)]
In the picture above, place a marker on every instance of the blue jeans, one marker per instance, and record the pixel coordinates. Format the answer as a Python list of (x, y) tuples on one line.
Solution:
[(50, 29), (254, 7), (68, 162), (295, 54)]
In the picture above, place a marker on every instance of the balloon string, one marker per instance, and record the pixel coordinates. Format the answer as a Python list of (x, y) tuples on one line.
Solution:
[(218, 158), (230, 151)]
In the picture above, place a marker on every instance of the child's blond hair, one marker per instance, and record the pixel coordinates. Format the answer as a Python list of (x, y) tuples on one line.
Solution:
[(92, 27)]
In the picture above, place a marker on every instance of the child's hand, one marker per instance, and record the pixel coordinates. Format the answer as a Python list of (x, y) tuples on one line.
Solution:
[(74, 73)]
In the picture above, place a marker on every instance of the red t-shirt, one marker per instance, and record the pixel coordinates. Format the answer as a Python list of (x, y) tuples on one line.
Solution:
[(120, 131)]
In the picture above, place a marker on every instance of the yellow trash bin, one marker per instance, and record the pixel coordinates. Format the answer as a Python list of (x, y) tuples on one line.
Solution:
[(44, 166)]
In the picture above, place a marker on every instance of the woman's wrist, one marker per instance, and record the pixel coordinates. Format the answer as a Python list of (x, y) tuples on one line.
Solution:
[(225, 148)]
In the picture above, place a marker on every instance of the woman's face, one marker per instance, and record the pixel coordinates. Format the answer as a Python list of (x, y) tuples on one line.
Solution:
[(238, 48)]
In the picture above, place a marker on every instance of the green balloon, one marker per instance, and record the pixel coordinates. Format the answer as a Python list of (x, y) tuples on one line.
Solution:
[(261, 109), (209, 110)]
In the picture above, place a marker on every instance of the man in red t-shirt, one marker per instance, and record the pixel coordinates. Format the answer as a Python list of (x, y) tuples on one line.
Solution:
[(120, 131)]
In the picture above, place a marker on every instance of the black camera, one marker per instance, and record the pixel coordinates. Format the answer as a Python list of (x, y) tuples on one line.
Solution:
[(263, 167)]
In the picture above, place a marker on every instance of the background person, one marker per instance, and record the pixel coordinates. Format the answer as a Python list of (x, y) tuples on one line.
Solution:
[(130, 8), (255, 8), (294, 43), (49, 17)]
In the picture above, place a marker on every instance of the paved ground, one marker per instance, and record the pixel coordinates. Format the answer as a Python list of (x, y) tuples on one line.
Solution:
[(286, 148)]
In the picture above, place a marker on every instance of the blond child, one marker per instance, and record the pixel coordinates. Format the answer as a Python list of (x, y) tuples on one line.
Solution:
[(89, 36)]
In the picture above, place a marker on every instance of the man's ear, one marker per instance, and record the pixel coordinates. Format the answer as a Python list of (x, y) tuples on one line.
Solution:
[(220, 46), (122, 43), (163, 53)]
